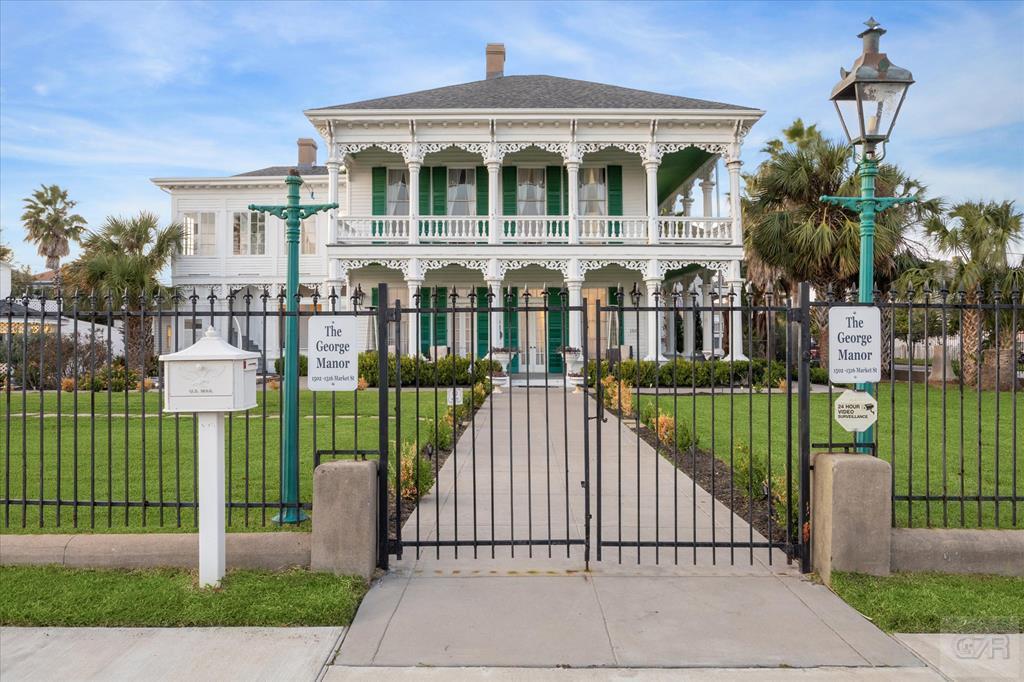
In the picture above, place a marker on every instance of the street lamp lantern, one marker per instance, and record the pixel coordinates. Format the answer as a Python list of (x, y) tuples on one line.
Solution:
[(868, 99), (869, 96)]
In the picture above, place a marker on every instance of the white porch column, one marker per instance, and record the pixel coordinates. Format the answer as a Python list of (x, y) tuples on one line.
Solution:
[(414, 286), (346, 208), (333, 168), (735, 207), (707, 186), (414, 201), (493, 196), (689, 325), (736, 316), (654, 350), (572, 168), (574, 283), (706, 321), (653, 232), (495, 330), (688, 200)]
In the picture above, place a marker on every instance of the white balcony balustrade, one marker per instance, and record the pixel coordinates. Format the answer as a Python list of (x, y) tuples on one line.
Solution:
[(373, 229), (687, 229), (453, 229), (613, 229), (535, 229)]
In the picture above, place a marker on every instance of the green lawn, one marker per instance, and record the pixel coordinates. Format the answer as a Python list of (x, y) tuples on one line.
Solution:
[(155, 453), (927, 602), (55, 596), (924, 458)]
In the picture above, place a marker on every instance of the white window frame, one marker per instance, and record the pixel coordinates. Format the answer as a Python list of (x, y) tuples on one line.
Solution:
[(471, 201), (242, 232), (308, 236), (391, 206), (543, 192), (198, 233), (579, 192)]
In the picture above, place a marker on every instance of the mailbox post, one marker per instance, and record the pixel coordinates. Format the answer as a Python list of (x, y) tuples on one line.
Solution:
[(209, 378)]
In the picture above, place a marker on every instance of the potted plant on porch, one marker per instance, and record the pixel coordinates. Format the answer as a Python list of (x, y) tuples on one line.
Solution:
[(503, 356), (573, 365)]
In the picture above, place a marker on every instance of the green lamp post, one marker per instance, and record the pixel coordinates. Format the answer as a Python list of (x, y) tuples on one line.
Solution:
[(868, 99), (293, 214)]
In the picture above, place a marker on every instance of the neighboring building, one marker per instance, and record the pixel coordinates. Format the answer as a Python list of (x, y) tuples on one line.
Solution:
[(504, 185)]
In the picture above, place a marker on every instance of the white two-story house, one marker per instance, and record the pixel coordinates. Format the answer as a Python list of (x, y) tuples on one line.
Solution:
[(507, 185)]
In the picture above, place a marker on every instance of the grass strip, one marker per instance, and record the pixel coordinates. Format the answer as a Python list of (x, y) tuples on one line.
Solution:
[(57, 596), (932, 602)]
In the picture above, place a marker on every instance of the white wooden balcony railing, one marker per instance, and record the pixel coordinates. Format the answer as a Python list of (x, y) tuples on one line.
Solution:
[(686, 229), (613, 229), (534, 229)]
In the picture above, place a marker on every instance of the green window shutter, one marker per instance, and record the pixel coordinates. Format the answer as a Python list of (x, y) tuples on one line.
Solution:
[(439, 179), (379, 175), (424, 226), (481, 190), (440, 301), (614, 190), (565, 191), (483, 321), (556, 332), (613, 299), (553, 181), (374, 297), (481, 200), (425, 303), (509, 185)]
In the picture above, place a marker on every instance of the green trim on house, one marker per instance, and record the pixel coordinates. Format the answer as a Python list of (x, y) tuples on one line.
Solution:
[(556, 332), (509, 185), (676, 167), (510, 296), (483, 323)]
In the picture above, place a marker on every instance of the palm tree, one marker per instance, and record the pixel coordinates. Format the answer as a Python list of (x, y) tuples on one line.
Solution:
[(6, 253), (791, 236), (51, 225), (977, 235), (123, 260)]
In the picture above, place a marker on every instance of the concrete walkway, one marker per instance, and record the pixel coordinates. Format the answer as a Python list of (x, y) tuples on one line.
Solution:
[(713, 609), (194, 654)]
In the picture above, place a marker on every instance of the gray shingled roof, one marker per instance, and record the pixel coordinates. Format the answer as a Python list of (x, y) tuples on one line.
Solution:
[(283, 170), (534, 92)]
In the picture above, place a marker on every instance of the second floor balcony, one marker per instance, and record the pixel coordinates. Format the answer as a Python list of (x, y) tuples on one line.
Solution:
[(535, 230)]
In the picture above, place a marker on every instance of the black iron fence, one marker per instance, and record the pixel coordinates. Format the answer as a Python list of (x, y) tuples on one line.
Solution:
[(86, 445)]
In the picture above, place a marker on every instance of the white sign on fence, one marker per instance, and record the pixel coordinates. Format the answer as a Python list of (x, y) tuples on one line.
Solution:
[(854, 345), (333, 353), (455, 396), (856, 410)]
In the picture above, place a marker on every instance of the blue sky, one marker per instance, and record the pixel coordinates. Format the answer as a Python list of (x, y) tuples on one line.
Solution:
[(101, 97)]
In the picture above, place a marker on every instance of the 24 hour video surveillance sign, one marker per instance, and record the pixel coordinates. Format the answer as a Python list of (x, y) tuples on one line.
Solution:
[(854, 345), (333, 353)]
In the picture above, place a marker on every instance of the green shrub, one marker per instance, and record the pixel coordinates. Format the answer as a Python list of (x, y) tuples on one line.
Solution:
[(819, 375), (427, 372), (303, 365), (416, 473), (685, 436), (115, 377), (748, 472)]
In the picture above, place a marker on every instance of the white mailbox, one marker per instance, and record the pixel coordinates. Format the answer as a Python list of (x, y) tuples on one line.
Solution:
[(209, 378), (211, 375)]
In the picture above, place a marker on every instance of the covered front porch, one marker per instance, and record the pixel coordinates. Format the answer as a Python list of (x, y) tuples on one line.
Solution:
[(537, 308)]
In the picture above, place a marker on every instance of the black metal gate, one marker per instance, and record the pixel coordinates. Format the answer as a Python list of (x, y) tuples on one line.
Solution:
[(684, 459)]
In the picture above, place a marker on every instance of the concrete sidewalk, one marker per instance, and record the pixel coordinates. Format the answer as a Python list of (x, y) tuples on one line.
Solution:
[(169, 654), (709, 608)]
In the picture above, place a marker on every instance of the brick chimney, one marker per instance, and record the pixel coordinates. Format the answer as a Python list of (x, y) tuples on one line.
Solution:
[(495, 60), (307, 152)]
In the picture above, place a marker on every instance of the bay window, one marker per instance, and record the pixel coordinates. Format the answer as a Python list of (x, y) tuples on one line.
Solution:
[(198, 234), (249, 234)]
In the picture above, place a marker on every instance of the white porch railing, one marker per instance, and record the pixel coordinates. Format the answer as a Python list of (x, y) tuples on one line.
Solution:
[(534, 229), (538, 229), (373, 229), (453, 229), (614, 229), (683, 229)]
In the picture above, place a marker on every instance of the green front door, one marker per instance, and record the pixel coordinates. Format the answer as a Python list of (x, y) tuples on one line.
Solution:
[(556, 331), (511, 321)]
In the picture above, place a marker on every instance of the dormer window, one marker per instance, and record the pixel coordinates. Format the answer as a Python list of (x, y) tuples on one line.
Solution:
[(461, 191)]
